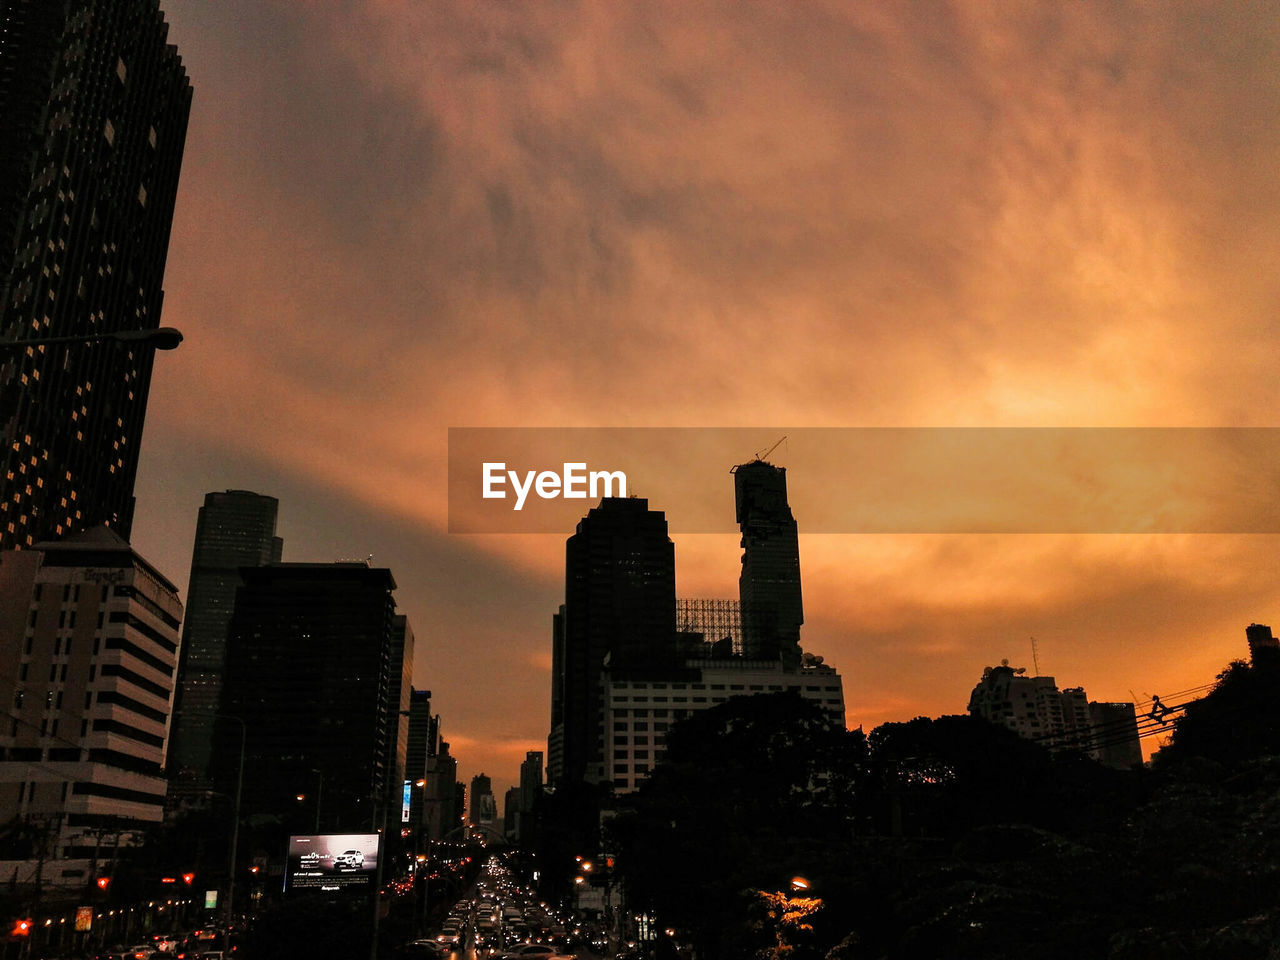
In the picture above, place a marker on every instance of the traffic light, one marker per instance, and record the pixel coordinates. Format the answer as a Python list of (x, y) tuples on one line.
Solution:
[(188, 878), (21, 928), (104, 882)]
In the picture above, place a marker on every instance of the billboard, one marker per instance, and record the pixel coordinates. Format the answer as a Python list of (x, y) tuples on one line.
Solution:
[(332, 862), (407, 802)]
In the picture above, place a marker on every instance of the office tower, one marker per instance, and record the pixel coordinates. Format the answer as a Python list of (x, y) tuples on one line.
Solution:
[(1259, 638), (620, 610), (234, 529), (309, 672), (1034, 708), (88, 644), (483, 811), (399, 694), (417, 745), (769, 585), (529, 794), (511, 814), (93, 116)]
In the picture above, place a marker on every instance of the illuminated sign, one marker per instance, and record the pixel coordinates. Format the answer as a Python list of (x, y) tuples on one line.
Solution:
[(332, 862), (407, 802), (84, 919)]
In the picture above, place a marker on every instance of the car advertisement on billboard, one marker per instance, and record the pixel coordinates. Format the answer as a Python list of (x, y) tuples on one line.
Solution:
[(332, 862)]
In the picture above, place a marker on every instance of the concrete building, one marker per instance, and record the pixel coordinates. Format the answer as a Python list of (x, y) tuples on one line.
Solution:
[(769, 585), (639, 712), (620, 609), (483, 810), (88, 650), (315, 667), (1260, 639), (1034, 708), (234, 529), (93, 118)]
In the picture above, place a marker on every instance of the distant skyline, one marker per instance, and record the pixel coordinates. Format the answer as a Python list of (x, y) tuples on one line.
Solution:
[(394, 218)]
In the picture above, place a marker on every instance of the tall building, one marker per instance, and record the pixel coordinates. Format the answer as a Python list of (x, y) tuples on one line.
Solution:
[(483, 811), (234, 529), (418, 744), (1034, 708), (88, 644), (619, 611), (528, 795), (309, 671), (1259, 638), (769, 585), (399, 699), (93, 117)]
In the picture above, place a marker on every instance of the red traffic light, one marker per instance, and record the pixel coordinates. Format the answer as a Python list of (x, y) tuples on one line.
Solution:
[(188, 878), (21, 928), (103, 882)]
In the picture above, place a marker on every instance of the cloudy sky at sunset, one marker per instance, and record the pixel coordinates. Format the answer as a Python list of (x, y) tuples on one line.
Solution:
[(398, 216)]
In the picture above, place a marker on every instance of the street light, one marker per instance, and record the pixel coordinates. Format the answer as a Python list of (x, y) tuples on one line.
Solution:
[(161, 338)]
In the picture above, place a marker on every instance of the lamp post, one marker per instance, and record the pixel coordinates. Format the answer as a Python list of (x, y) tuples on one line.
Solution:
[(161, 338)]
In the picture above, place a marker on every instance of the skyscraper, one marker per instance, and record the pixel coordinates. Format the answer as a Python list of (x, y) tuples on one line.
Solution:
[(483, 810), (234, 529), (769, 585), (309, 670), (93, 116), (619, 610)]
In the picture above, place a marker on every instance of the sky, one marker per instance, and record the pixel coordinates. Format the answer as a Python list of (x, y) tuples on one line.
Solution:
[(397, 217)]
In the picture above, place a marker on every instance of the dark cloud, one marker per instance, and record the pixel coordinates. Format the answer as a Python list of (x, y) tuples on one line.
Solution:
[(401, 216)]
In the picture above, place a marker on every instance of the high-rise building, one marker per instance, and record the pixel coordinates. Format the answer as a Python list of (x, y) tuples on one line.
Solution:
[(309, 671), (399, 694), (234, 529), (619, 611), (1259, 638), (88, 644), (769, 585), (1034, 708), (483, 811), (93, 117), (529, 794)]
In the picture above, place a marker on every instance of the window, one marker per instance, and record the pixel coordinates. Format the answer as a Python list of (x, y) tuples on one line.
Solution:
[(642, 726)]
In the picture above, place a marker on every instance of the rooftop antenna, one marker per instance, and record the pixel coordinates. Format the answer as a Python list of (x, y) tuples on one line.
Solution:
[(1035, 656)]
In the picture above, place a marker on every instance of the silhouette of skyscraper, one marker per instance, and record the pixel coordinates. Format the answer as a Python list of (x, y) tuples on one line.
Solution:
[(310, 670), (93, 117), (769, 585), (234, 529), (620, 609)]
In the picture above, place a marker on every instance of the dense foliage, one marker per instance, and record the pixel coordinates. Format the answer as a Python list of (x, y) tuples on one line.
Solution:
[(953, 838)]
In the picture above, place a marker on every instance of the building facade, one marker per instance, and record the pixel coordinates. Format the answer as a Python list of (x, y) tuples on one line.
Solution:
[(769, 585), (309, 671), (1035, 709), (234, 529), (88, 651), (619, 610), (93, 117), (639, 712)]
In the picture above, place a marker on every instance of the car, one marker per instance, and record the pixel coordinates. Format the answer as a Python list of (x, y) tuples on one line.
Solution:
[(423, 950), (349, 858)]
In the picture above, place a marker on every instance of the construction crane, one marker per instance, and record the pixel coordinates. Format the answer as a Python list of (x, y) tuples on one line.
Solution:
[(759, 457)]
